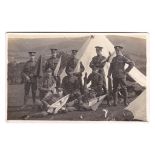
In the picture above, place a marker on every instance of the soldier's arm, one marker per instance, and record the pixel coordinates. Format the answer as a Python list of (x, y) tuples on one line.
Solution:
[(40, 85), (63, 85), (47, 89), (44, 89), (46, 65), (82, 68), (100, 81), (109, 57), (103, 62), (60, 71), (130, 64), (77, 85), (53, 85), (24, 73), (110, 70), (89, 78), (91, 65), (67, 67)]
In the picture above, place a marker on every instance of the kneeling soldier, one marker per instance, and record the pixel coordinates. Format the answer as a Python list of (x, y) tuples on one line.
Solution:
[(96, 80), (70, 84), (47, 84), (52, 63)]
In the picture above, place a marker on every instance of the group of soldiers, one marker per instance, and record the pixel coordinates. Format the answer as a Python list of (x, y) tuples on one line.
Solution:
[(14, 72), (51, 87)]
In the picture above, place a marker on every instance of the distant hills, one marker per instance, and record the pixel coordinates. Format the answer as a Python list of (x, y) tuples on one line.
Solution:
[(134, 48), (17, 48)]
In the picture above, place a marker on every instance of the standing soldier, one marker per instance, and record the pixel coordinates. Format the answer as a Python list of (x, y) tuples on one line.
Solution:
[(30, 78), (119, 73), (99, 62), (52, 63), (72, 63)]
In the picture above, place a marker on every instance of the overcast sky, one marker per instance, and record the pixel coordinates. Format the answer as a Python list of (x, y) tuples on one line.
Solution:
[(71, 35)]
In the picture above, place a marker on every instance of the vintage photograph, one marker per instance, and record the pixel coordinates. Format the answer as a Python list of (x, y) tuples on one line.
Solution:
[(77, 76)]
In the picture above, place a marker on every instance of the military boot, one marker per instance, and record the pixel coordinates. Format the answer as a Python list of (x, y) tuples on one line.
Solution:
[(115, 98), (34, 97), (108, 100), (125, 97)]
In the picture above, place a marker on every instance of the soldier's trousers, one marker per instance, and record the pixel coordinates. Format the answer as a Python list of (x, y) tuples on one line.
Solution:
[(79, 76), (101, 71), (98, 90), (116, 83), (58, 82), (104, 85), (27, 87)]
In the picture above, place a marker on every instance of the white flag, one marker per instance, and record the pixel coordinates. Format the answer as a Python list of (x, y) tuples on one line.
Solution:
[(58, 104), (57, 67)]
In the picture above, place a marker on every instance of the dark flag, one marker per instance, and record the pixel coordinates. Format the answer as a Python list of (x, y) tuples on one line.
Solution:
[(39, 68), (109, 85), (85, 80)]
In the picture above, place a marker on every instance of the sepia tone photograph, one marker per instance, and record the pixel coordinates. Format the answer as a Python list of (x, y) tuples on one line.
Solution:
[(77, 76)]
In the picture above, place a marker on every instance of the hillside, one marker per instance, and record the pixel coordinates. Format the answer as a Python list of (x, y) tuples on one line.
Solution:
[(134, 48), (18, 48)]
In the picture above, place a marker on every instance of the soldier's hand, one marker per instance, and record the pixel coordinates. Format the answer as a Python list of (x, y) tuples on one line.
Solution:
[(27, 79), (126, 72), (108, 76)]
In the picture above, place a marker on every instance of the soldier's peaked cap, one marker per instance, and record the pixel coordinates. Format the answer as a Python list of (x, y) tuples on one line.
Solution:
[(49, 70), (53, 49), (98, 47), (74, 50), (70, 69), (118, 47), (32, 53), (60, 89), (95, 68)]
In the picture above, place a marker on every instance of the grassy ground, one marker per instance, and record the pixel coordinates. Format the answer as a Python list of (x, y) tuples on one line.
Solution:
[(15, 100)]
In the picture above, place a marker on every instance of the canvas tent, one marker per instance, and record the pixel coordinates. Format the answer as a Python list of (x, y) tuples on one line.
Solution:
[(138, 108), (87, 52)]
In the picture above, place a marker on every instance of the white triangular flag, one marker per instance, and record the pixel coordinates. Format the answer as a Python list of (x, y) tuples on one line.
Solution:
[(57, 67), (58, 104)]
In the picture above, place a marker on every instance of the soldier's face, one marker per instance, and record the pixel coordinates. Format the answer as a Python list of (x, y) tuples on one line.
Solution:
[(94, 70), (74, 54), (118, 51), (54, 54), (99, 52), (60, 92), (92, 94), (32, 57), (49, 74), (70, 73)]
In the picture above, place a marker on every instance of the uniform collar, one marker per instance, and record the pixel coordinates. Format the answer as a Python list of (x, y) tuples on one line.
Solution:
[(53, 57), (32, 61), (99, 56)]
